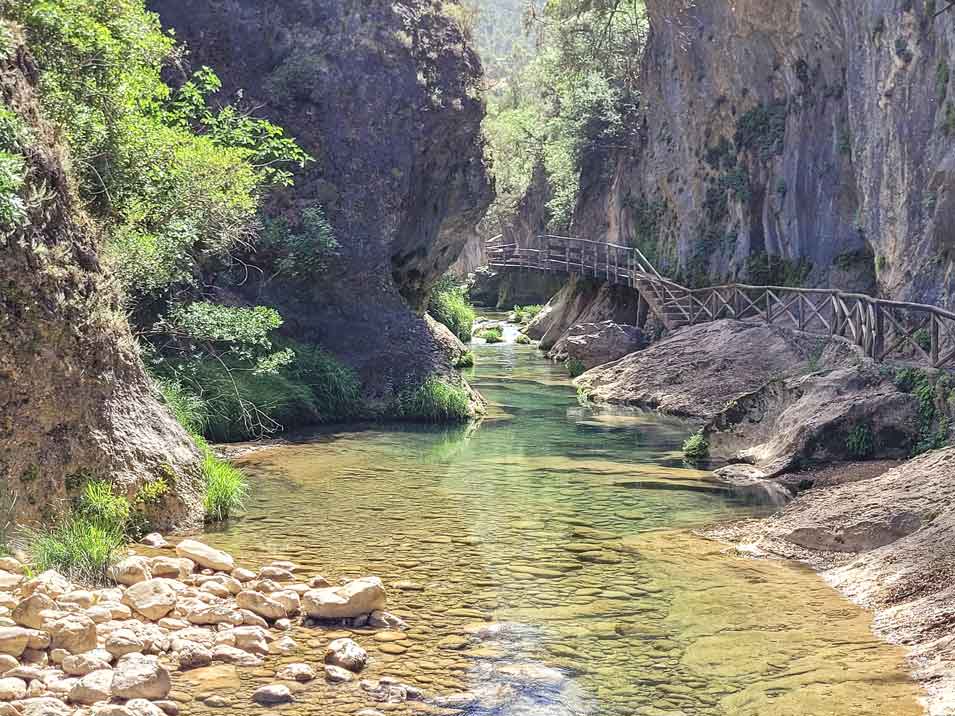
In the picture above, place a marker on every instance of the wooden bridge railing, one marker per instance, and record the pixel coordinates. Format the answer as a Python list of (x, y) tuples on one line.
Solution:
[(883, 329)]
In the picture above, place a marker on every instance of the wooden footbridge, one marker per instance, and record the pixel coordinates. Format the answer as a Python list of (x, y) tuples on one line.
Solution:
[(910, 332)]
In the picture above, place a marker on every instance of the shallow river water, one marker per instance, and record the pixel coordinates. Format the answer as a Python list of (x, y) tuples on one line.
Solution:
[(546, 563)]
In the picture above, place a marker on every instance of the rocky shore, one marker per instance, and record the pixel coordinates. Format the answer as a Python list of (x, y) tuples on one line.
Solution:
[(181, 610), (816, 418)]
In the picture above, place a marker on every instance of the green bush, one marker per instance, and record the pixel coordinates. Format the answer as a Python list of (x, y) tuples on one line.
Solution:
[(696, 449), (449, 305), (335, 388), (859, 442), (302, 254), (495, 334), (575, 368), (933, 422), (78, 548), (99, 506), (523, 339), (434, 401), (465, 361), (226, 488), (525, 314), (188, 408)]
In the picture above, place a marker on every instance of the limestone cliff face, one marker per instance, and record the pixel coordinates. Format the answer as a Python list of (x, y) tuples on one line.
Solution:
[(385, 95), (75, 402), (818, 132)]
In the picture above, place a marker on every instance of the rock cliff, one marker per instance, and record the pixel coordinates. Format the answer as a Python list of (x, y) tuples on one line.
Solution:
[(385, 95), (805, 141), (75, 402)]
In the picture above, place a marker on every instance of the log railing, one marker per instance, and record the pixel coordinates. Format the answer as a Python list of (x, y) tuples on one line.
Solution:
[(884, 329)]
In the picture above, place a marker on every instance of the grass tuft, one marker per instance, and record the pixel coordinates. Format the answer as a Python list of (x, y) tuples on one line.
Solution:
[(465, 361), (449, 305), (79, 549), (696, 448), (434, 401), (495, 334), (226, 485)]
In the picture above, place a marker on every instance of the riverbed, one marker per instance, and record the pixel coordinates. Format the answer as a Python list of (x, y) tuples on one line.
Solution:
[(546, 562)]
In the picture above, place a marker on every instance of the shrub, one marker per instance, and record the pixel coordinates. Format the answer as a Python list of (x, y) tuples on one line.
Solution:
[(859, 442), (188, 408), (696, 449), (575, 367), (152, 492), (78, 548), (434, 401), (523, 339), (305, 253), (449, 305), (226, 488), (525, 314), (492, 335), (465, 361)]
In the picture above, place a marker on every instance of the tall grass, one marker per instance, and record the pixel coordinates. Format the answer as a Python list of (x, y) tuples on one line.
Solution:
[(449, 305), (434, 401), (226, 487), (494, 334), (86, 542), (190, 409)]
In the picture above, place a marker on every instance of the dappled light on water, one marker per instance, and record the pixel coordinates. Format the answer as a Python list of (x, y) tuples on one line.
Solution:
[(546, 564)]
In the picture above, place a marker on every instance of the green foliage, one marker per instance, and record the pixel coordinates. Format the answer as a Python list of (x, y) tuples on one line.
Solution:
[(525, 314), (434, 401), (335, 388), (98, 505), (494, 334), (465, 361), (152, 492), (226, 488), (523, 339), (81, 550), (859, 442), (189, 409), (763, 269), (942, 77), (762, 129), (13, 140), (576, 96), (934, 395), (575, 367), (244, 333), (696, 449), (449, 305), (302, 254)]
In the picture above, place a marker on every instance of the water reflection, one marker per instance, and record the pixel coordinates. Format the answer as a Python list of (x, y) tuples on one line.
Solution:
[(544, 563)]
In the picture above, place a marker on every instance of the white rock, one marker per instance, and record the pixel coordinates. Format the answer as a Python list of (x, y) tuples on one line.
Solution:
[(167, 567), (153, 598), (243, 575), (79, 598), (51, 583), (272, 694), (276, 574), (83, 664), (9, 564), (75, 633), (252, 619), (93, 687), (337, 675), (205, 556), (358, 597), (12, 689), (231, 655), (156, 540), (289, 600), (215, 614), (35, 611), (192, 655), (122, 642), (347, 654), (14, 640), (132, 570), (7, 662), (284, 645), (142, 707), (252, 639), (141, 677), (44, 706), (8, 580), (261, 604), (296, 672)]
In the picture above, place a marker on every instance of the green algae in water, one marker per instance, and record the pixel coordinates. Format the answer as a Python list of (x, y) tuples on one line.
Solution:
[(539, 561)]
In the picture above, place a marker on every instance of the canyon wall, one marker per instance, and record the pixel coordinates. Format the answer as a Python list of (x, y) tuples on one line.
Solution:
[(386, 97), (805, 141)]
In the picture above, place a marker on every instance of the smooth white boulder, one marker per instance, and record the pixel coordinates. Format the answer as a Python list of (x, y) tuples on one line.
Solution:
[(358, 597), (154, 598), (205, 556)]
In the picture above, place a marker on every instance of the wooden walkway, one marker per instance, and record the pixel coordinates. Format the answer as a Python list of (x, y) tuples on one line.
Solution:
[(909, 332)]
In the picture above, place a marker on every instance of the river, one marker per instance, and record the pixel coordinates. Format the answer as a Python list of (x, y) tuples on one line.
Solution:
[(563, 536)]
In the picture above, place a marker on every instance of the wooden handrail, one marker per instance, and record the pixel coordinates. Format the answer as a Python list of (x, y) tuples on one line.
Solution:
[(875, 324)]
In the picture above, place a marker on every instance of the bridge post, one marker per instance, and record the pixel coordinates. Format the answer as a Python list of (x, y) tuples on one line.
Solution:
[(934, 335), (878, 333)]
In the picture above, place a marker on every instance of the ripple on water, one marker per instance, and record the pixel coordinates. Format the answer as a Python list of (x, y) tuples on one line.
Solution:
[(544, 572)]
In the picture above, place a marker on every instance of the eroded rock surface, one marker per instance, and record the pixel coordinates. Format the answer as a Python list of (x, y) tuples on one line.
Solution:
[(595, 344), (697, 370)]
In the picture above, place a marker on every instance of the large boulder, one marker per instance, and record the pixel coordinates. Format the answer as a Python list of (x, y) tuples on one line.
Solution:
[(131, 570), (347, 654), (595, 344), (93, 687), (260, 604), (13, 640), (845, 410), (697, 370), (205, 556), (35, 611), (358, 597), (74, 633)]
